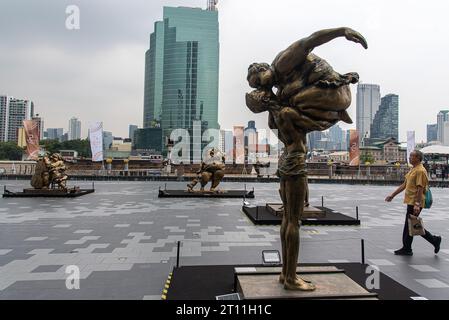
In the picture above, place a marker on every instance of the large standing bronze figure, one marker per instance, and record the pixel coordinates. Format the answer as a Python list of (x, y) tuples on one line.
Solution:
[(310, 96)]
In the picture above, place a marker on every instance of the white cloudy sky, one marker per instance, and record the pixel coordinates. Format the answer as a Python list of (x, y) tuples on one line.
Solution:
[(97, 73)]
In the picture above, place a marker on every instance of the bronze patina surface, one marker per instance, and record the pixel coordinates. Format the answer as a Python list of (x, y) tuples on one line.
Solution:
[(310, 96), (50, 173), (212, 170)]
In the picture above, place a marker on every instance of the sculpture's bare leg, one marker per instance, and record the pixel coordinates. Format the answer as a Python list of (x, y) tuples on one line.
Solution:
[(306, 199), (205, 178), (283, 232), (192, 184), (322, 99), (216, 179), (295, 194)]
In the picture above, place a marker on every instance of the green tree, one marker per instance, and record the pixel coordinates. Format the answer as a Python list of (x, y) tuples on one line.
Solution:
[(364, 158), (81, 146), (51, 146), (10, 151)]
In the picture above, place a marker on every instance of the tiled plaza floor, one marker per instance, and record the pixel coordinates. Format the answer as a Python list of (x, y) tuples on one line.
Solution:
[(123, 238)]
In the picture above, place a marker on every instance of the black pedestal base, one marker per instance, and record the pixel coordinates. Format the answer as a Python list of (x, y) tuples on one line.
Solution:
[(206, 194), (262, 216), (207, 282), (47, 193)]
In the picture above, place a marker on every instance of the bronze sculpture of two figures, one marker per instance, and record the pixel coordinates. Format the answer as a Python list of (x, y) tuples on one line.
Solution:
[(310, 96), (50, 173)]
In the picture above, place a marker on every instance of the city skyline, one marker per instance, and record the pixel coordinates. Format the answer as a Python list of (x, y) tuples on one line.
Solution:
[(97, 72)]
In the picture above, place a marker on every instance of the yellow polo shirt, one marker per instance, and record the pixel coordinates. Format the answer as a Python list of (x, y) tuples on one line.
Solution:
[(416, 177)]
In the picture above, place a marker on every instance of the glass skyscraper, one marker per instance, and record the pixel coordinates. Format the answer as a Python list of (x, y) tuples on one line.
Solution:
[(368, 102), (442, 118), (386, 121), (181, 73)]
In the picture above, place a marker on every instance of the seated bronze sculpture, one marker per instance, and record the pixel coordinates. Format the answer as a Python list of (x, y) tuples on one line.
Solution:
[(212, 170), (310, 96)]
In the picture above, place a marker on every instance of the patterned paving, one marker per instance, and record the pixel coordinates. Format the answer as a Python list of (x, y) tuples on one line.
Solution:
[(123, 239)]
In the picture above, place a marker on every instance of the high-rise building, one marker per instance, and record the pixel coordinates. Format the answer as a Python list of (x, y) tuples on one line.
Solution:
[(251, 140), (12, 113), (132, 129), (432, 132), (74, 132), (445, 141), (55, 133), (337, 138), (368, 102), (221, 141), (154, 77), (312, 140), (40, 125), (148, 140), (386, 121), (181, 73), (107, 140), (442, 117), (226, 144), (344, 142)]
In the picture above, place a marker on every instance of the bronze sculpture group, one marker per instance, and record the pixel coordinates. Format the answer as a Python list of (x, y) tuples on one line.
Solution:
[(50, 173), (310, 96)]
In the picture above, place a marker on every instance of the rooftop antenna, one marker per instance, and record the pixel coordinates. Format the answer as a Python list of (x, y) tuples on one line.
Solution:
[(212, 5)]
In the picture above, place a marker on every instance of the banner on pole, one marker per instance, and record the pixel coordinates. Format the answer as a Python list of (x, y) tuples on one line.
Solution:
[(354, 148), (96, 141), (239, 144), (32, 138), (411, 145)]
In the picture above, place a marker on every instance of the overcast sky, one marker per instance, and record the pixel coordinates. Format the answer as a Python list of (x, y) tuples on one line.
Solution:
[(97, 72)]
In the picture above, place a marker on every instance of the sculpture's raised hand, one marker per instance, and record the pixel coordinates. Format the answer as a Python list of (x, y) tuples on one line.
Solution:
[(356, 37)]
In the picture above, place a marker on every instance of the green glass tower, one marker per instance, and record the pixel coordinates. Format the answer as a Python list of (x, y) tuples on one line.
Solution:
[(181, 72)]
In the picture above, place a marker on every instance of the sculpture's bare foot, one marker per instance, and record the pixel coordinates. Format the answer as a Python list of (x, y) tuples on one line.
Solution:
[(282, 278), (299, 285)]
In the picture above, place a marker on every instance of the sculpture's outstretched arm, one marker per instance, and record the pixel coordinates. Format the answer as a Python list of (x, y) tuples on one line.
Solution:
[(296, 54), (321, 37)]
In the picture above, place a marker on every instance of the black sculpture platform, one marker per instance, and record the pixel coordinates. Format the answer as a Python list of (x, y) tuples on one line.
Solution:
[(206, 194), (261, 215), (208, 282), (47, 193)]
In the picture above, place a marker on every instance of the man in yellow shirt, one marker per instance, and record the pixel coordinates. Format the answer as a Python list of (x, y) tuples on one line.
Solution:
[(415, 185)]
